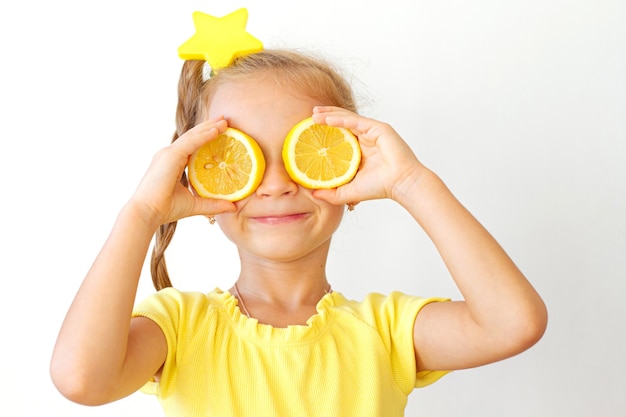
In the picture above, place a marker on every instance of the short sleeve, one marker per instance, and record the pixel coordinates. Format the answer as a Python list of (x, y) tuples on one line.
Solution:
[(165, 309), (394, 316)]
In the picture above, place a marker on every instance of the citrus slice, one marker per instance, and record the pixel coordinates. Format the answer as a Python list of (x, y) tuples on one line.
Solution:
[(229, 167), (321, 156)]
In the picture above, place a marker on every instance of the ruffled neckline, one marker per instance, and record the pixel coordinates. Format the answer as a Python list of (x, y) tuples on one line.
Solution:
[(250, 327)]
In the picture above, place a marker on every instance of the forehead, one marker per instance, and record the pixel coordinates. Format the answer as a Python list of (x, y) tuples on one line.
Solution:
[(260, 107)]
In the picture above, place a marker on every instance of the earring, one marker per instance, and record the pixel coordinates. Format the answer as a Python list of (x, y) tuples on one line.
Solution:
[(351, 206), (211, 219)]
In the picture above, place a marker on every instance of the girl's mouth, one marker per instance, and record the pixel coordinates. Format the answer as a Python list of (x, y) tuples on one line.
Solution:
[(280, 218)]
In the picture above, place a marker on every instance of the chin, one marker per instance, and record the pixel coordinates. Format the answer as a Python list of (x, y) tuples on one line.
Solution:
[(285, 250)]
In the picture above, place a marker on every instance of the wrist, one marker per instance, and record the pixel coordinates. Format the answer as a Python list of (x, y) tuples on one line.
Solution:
[(411, 185), (142, 215)]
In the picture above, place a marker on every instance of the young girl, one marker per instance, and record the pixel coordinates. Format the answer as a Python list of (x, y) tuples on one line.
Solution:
[(281, 342)]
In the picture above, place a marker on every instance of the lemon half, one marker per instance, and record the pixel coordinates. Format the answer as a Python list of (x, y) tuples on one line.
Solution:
[(229, 167), (320, 156)]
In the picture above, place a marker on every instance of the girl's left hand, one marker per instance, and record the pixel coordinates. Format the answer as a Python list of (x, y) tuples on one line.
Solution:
[(388, 164)]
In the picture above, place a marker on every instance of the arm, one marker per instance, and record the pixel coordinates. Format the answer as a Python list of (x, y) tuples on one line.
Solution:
[(101, 354), (501, 314)]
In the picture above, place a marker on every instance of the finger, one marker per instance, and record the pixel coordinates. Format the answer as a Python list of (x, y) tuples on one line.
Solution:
[(330, 196), (211, 206), (329, 109), (200, 207), (338, 117), (336, 196), (321, 114), (198, 135)]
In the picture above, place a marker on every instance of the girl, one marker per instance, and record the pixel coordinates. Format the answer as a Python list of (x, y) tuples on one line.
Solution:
[(280, 342)]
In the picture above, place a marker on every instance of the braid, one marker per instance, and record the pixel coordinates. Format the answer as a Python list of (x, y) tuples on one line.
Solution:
[(158, 267), (189, 93)]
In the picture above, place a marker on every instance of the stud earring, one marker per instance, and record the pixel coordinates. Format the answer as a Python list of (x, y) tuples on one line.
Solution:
[(351, 206), (211, 219)]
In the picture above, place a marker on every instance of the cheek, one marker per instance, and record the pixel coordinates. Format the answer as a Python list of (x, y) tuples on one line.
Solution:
[(334, 216), (228, 224)]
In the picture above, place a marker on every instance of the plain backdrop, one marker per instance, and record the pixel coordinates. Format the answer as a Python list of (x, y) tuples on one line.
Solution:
[(520, 106)]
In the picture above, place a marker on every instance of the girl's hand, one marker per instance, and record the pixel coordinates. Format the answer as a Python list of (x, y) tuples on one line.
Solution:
[(388, 165), (161, 194)]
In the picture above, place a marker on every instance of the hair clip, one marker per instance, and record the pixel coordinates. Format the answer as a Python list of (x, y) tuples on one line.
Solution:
[(219, 40)]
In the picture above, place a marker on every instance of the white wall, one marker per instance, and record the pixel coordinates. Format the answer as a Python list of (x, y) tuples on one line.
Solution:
[(519, 106)]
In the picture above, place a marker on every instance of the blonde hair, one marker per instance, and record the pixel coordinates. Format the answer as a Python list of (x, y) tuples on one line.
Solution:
[(311, 76)]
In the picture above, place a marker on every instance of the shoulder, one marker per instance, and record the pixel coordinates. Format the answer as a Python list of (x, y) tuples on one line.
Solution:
[(173, 305), (391, 316), (392, 307), (172, 296)]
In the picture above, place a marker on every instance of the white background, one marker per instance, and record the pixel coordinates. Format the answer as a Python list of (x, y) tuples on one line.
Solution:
[(519, 106)]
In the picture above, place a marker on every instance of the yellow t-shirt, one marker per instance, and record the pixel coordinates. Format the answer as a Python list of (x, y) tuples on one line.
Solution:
[(351, 359)]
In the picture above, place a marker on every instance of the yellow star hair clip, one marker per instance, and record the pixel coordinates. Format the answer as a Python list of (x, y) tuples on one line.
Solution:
[(219, 40)]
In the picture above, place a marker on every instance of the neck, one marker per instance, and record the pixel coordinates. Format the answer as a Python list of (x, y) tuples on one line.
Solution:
[(281, 291), (287, 290), (244, 309), (280, 294), (284, 280)]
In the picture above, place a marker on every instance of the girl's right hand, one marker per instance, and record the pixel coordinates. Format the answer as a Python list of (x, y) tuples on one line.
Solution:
[(161, 195)]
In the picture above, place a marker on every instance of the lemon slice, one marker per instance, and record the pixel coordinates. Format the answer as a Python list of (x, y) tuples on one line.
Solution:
[(229, 167), (321, 156)]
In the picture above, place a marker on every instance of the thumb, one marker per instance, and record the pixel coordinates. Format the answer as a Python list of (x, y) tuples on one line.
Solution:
[(209, 206), (335, 196)]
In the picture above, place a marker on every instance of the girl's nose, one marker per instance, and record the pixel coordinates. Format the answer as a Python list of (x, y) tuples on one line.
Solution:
[(276, 181)]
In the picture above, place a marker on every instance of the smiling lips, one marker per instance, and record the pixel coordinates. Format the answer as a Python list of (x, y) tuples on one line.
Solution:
[(280, 218)]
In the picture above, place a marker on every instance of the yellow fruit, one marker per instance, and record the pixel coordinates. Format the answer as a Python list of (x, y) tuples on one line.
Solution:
[(229, 167), (321, 156)]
